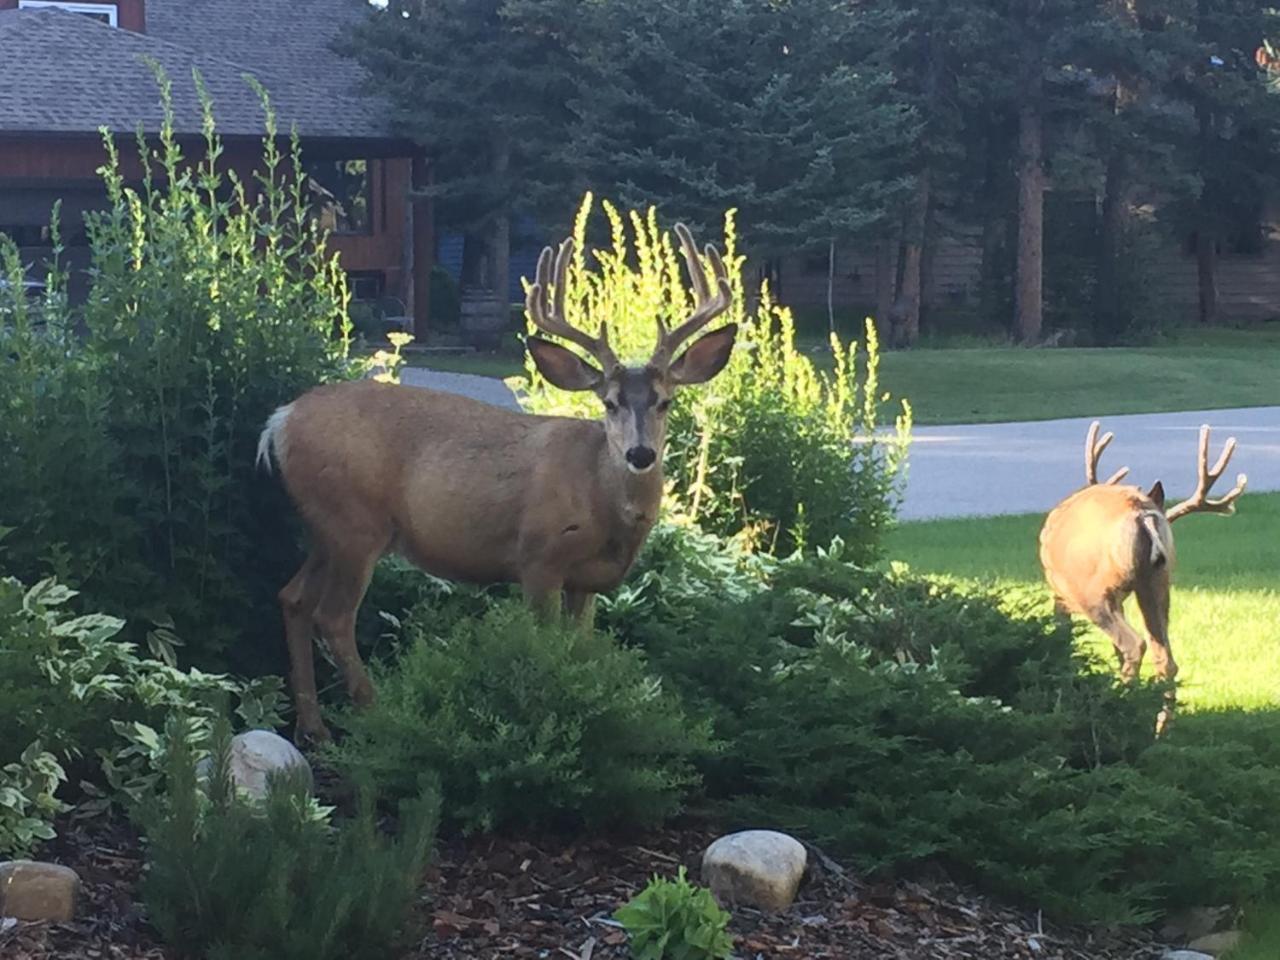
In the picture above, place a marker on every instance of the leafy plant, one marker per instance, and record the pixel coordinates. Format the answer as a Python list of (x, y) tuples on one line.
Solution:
[(526, 724), (127, 446), (308, 892), (771, 449), (28, 800), (75, 696), (675, 920)]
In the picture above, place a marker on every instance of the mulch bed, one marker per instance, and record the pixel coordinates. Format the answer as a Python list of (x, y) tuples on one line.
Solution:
[(498, 898)]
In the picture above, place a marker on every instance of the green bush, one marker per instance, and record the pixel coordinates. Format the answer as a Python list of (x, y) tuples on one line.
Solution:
[(127, 449), (74, 697), (903, 721), (674, 920), (307, 891), (768, 449), (527, 725)]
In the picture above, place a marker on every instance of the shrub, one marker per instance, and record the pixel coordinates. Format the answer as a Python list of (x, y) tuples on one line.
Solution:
[(527, 725), (904, 720), (446, 300), (74, 696), (308, 892), (674, 920), (767, 448), (127, 454)]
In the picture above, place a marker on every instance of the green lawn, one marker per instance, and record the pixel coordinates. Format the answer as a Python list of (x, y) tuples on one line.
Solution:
[(1225, 622), (1192, 370)]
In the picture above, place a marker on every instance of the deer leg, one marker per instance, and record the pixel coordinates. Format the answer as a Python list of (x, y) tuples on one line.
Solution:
[(542, 592), (580, 606), (346, 581), (298, 601), (1153, 600), (1130, 647)]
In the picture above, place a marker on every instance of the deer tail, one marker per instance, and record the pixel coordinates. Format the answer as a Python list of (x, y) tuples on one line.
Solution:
[(272, 439), (1159, 534)]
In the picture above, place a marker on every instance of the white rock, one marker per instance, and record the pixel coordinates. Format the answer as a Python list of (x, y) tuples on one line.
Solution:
[(30, 890), (255, 755), (1186, 955), (1216, 943), (755, 868)]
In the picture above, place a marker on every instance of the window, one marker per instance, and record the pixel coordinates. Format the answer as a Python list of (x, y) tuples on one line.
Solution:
[(340, 194), (103, 12), (365, 286)]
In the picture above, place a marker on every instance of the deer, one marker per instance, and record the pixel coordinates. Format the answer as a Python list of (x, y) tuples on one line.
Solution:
[(1110, 540), (473, 492)]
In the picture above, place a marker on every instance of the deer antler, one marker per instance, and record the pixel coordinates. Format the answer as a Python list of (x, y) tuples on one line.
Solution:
[(547, 312), (1093, 448), (706, 306), (1199, 501)]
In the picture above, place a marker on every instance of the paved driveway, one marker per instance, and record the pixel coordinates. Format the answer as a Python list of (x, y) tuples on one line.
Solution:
[(985, 469)]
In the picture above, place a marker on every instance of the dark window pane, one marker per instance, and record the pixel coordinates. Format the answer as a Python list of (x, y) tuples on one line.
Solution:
[(339, 193)]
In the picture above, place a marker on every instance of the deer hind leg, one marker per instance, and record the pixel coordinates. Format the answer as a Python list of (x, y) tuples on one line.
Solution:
[(298, 601), (347, 575), (1130, 647), (1153, 600)]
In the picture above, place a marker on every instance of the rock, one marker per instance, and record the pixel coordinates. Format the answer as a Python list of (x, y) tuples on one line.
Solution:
[(1193, 923), (255, 755), (1185, 955), (1216, 943), (756, 868), (38, 891)]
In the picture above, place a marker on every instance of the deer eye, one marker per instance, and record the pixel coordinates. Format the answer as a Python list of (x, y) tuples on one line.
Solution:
[(663, 406), (611, 406)]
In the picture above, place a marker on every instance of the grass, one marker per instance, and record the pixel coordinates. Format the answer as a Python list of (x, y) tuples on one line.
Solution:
[(1189, 370)]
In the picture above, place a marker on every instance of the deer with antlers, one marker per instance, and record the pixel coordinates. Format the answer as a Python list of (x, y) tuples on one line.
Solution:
[(470, 491), (1109, 540)]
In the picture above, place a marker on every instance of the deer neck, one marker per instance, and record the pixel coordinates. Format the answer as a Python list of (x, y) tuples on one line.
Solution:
[(636, 497)]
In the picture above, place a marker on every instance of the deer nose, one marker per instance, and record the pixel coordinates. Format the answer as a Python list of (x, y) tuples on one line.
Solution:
[(641, 458)]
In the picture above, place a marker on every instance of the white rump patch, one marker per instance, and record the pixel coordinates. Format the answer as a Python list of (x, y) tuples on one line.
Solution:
[(273, 438)]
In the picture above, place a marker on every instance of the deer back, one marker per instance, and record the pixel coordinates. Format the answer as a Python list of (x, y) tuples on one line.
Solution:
[(1098, 541)]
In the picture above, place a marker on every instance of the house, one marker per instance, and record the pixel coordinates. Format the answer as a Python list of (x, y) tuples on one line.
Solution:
[(70, 69)]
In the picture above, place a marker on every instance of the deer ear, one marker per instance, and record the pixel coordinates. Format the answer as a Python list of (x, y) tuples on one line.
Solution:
[(1156, 493), (705, 357), (561, 366)]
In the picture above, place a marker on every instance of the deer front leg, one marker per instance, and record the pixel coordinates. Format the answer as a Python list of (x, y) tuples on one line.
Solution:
[(542, 590), (580, 607)]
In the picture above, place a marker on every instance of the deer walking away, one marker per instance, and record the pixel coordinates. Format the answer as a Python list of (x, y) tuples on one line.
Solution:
[(1109, 540), (472, 492)]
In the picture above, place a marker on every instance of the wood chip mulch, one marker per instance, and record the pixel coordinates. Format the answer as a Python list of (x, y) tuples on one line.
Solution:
[(496, 899), (486, 899)]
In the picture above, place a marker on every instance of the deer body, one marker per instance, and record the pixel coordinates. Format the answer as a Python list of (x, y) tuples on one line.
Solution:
[(469, 491), (1109, 541)]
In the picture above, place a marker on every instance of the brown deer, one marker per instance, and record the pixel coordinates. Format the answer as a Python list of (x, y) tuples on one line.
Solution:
[(473, 492), (1108, 540)]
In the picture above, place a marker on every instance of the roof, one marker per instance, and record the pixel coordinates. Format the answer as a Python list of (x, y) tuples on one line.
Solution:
[(65, 73)]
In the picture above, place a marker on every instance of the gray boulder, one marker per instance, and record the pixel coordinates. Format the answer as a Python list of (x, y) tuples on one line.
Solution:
[(755, 868), (30, 890)]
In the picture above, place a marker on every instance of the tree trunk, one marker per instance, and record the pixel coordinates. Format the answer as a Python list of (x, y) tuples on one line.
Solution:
[(928, 256), (1206, 232), (1207, 271), (1029, 295), (500, 251), (831, 285), (886, 284), (423, 245), (912, 250), (1109, 321)]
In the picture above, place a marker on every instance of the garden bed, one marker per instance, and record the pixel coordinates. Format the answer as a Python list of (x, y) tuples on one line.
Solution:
[(488, 897)]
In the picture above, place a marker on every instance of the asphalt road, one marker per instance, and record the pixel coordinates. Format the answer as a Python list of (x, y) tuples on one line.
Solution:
[(993, 468)]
